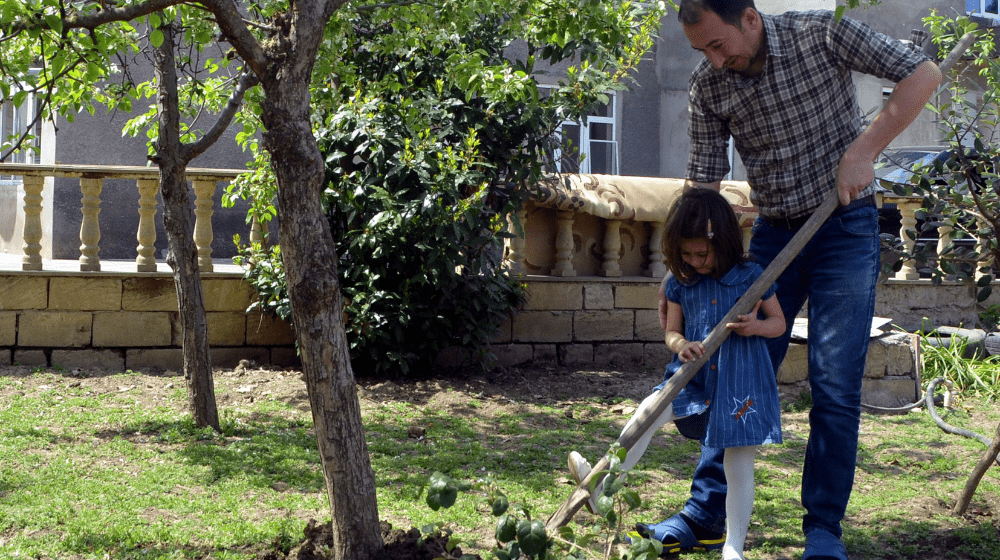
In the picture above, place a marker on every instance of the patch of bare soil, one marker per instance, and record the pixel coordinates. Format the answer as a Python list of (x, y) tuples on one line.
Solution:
[(504, 392), (399, 545)]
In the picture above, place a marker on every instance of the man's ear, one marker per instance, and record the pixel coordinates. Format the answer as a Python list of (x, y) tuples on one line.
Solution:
[(750, 19)]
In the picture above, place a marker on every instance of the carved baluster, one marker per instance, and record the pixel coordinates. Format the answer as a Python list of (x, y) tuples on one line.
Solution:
[(32, 232), (944, 241), (908, 222), (145, 261), (203, 192), (515, 244), (90, 227), (985, 259), (612, 248), (257, 231), (564, 245), (656, 268)]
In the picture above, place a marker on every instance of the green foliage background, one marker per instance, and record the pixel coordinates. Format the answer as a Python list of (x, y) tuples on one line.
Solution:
[(432, 140)]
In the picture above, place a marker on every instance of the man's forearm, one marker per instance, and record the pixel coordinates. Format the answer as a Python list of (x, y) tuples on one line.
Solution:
[(907, 100), (715, 186)]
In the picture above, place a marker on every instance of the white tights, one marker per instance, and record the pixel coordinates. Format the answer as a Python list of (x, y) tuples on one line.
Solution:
[(738, 464)]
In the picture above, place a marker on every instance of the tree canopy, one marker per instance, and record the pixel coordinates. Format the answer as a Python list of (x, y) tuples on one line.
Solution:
[(69, 55)]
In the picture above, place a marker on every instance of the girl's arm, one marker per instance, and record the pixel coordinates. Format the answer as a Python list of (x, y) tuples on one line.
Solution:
[(661, 307), (772, 326), (686, 350)]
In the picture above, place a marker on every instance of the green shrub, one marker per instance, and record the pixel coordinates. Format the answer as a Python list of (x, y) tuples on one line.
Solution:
[(421, 181)]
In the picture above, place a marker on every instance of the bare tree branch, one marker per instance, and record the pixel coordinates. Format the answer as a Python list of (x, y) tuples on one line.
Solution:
[(237, 33), (247, 81)]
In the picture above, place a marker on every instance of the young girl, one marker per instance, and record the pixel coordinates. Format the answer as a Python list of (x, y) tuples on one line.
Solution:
[(736, 389)]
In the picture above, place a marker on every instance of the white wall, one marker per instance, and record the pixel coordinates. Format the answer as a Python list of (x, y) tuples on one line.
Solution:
[(781, 6)]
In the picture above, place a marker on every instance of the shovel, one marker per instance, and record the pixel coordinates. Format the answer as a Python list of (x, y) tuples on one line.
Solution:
[(714, 340)]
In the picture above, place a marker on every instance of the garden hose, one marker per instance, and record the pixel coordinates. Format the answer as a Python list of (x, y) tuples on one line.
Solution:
[(920, 402), (929, 401)]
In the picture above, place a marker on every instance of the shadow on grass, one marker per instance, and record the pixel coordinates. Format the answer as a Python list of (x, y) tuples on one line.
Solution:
[(923, 540), (114, 546), (265, 450)]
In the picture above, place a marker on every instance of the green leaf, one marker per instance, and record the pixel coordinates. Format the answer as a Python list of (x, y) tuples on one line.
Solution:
[(54, 22), (442, 492), (604, 504), (506, 529), (984, 293), (531, 537), (500, 505), (631, 498), (156, 38)]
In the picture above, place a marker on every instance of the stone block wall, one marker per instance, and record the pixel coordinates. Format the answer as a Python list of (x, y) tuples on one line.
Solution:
[(128, 321), (123, 321), (613, 323), (584, 322)]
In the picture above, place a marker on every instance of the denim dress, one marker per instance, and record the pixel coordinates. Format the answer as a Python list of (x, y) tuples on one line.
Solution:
[(737, 387)]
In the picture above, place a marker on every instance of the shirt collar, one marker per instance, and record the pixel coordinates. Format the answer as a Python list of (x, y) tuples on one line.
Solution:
[(738, 274), (774, 46)]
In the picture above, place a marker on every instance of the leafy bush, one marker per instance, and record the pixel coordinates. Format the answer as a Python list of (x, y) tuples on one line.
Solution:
[(430, 143)]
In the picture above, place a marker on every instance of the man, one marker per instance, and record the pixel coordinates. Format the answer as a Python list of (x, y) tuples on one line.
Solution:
[(781, 87)]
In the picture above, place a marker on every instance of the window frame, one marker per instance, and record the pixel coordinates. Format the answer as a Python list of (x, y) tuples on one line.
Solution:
[(979, 8), (583, 140), (14, 120)]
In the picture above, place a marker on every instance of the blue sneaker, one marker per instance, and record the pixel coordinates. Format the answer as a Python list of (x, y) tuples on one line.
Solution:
[(822, 545), (677, 535)]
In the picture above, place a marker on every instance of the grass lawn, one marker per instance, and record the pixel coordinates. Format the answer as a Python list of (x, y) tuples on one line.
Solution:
[(99, 465)]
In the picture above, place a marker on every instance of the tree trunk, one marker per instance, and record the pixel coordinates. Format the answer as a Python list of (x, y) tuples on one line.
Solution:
[(310, 261), (977, 474), (182, 253)]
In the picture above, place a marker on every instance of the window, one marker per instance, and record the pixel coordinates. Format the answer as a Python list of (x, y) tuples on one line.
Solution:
[(984, 8), (590, 147), (13, 122)]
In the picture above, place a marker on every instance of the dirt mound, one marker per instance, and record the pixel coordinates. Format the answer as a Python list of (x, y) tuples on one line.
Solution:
[(399, 545)]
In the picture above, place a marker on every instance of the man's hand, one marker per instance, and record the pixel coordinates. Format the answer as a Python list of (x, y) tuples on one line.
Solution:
[(857, 169), (853, 175)]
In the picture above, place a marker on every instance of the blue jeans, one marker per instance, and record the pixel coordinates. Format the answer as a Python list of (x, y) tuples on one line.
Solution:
[(836, 271)]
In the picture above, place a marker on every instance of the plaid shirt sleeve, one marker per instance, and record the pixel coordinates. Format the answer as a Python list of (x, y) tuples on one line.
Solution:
[(792, 123), (709, 135), (857, 46)]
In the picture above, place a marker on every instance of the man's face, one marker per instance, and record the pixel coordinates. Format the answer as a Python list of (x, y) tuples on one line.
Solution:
[(725, 45)]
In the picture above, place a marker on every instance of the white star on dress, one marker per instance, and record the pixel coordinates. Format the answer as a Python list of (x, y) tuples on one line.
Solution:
[(742, 408)]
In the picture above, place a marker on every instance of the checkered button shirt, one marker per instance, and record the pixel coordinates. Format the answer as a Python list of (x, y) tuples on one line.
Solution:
[(793, 122)]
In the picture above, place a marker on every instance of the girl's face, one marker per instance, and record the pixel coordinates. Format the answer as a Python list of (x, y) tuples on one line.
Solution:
[(698, 254)]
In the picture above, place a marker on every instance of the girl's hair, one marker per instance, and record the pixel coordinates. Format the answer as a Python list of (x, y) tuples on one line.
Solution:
[(702, 214)]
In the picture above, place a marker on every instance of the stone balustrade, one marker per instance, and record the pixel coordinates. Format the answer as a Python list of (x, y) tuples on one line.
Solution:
[(604, 225), (91, 178), (908, 206)]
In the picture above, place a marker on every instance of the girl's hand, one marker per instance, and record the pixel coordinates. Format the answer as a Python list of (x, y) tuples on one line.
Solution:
[(773, 324), (691, 351), (747, 325)]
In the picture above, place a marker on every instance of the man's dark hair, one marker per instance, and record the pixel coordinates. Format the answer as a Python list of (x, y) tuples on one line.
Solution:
[(729, 11), (702, 214)]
